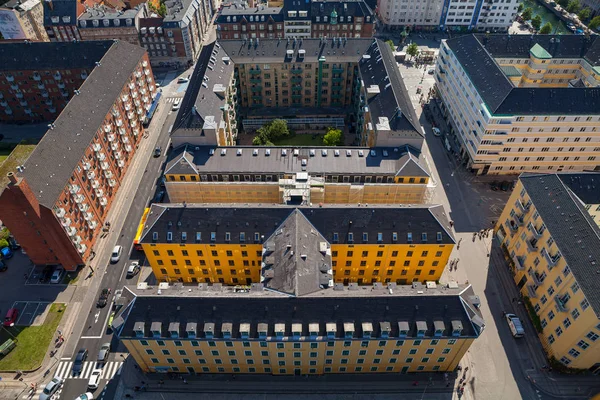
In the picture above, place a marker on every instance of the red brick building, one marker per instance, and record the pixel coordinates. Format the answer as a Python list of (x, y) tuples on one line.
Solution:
[(236, 22), (57, 202), (350, 19), (38, 79)]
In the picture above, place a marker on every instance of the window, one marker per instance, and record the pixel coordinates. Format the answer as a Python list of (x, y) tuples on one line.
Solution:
[(567, 322), (583, 344), (574, 353), (592, 336), (558, 331), (575, 314), (584, 304)]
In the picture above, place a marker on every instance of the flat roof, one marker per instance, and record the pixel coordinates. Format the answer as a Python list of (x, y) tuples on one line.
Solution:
[(401, 161), (216, 306)]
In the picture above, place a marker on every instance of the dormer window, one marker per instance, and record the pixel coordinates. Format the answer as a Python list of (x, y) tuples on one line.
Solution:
[(154, 236), (198, 236), (403, 329), (242, 237), (348, 330), (226, 329), (169, 236), (331, 329), (138, 329), (350, 237), (228, 236), (439, 237), (183, 236), (409, 238), (365, 237), (213, 236), (244, 330), (262, 330), (379, 237), (424, 237), (394, 236), (336, 237), (296, 331)]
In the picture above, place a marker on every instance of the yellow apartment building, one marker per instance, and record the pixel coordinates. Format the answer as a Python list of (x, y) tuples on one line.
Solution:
[(519, 103), (233, 244), (259, 330), (553, 242), (321, 175)]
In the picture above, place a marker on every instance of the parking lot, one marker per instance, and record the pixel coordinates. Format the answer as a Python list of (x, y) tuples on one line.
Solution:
[(31, 312), (40, 275)]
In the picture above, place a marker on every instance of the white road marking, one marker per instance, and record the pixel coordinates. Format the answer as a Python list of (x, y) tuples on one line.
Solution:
[(109, 370)]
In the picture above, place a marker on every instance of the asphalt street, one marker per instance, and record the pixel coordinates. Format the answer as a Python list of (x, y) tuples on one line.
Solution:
[(95, 331)]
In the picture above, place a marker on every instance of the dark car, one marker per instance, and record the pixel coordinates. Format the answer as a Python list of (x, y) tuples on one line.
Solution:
[(12, 242), (3, 266), (47, 273), (157, 151), (505, 186), (494, 185), (103, 299), (79, 360), (159, 197)]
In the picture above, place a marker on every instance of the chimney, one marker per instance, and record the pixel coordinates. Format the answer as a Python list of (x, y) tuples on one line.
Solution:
[(12, 178)]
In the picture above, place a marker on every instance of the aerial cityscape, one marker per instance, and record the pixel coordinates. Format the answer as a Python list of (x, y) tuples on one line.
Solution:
[(300, 199)]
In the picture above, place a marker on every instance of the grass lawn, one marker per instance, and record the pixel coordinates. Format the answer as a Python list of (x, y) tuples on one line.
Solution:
[(17, 157), (32, 342), (301, 140)]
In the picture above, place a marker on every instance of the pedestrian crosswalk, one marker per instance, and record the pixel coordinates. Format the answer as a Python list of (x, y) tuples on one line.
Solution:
[(172, 99), (109, 369)]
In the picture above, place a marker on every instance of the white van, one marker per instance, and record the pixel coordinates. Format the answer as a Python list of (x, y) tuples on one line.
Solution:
[(515, 325)]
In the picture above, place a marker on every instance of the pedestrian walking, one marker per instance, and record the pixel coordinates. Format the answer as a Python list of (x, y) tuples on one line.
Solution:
[(466, 369), (185, 381)]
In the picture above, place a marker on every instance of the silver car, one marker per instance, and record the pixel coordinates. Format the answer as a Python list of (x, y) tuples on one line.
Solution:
[(104, 352), (51, 388)]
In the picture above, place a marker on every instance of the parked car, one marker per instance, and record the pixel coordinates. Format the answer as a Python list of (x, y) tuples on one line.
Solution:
[(436, 131), (494, 186), (6, 252), (177, 105), (94, 379), (57, 275), (116, 254), (85, 396), (431, 71), (505, 185), (104, 352), (159, 197), (11, 317), (515, 325), (133, 269), (51, 388), (47, 273), (79, 360), (3, 266), (12, 242), (157, 151), (103, 299), (183, 80)]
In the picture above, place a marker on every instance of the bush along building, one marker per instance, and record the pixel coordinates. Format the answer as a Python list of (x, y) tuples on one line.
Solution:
[(312, 83), (57, 202), (277, 309), (520, 103), (549, 231)]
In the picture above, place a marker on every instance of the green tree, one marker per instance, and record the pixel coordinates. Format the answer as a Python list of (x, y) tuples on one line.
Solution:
[(278, 129), (521, 7), (392, 45), (412, 50), (546, 29), (595, 22), (333, 137), (573, 6), (563, 3), (584, 14), (3, 243), (527, 14), (536, 22)]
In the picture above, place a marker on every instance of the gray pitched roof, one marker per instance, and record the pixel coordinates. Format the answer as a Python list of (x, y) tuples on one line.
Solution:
[(201, 105), (241, 14), (64, 10), (393, 100), (327, 220), (53, 161), (586, 186), (572, 228), (297, 265), (353, 8), (476, 54), (449, 307), (33, 56), (386, 161)]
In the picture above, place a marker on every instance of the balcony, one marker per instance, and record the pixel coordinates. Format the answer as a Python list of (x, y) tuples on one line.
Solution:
[(108, 174), (101, 157), (95, 183), (119, 122), (296, 79), (337, 96), (88, 216), (96, 147), (84, 75), (77, 239), (114, 146), (256, 89), (91, 175), (118, 155), (86, 166), (532, 244), (37, 77), (561, 303), (519, 263), (525, 207), (41, 86), (99, 192), (112, 183), (531, 292), (256, 80), (14, 87), (336, 87), (111, 137), (121, 163), (74, 189), (60, 212), (57, 76), (125, 97), (552, 260), (64, 93), (257, 97), (255, 71), (296, 96), (20, 95), (519, 219), (337, 70), (71, 231), (92, 224), (66, 222), (537, 233), (61, 85), (44, 95), (83, 207), (124, 140), (3, 103), (537, 279), (128, 148), (10, 78), (103, 201), (81, 248), (337, 79), (138, 74), (296, 70), (131, 115)]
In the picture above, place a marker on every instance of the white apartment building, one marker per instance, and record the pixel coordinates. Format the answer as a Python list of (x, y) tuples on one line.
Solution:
[(454, 15), (521, 103)]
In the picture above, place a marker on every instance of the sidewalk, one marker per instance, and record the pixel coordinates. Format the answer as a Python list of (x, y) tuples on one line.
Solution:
[(417, 383), (83, 297)]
